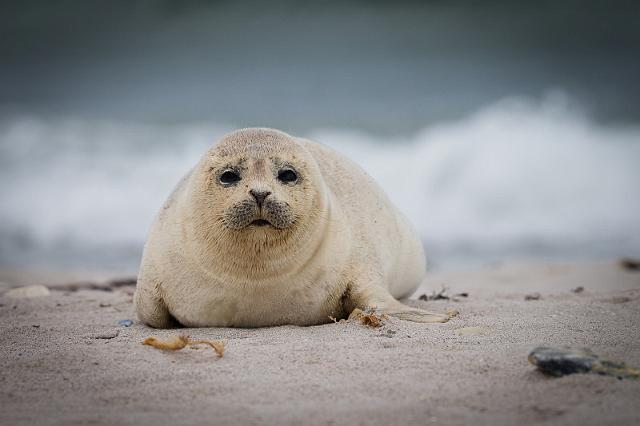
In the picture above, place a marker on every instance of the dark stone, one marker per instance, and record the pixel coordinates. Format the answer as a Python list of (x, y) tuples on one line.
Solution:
[(560, 362)]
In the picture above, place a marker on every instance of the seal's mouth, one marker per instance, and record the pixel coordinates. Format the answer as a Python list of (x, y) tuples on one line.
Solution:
[(260, 222), (246, 214)]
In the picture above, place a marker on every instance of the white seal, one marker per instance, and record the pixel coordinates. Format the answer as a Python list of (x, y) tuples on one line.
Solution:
[(268, 229)]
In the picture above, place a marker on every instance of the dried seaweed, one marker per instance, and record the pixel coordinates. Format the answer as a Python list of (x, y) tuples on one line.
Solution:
[(175, 343)]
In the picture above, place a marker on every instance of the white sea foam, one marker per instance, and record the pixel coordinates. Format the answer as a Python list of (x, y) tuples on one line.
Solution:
[(520, 177)]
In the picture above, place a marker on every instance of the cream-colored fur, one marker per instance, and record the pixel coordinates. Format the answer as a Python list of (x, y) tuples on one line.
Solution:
[(336, 242)]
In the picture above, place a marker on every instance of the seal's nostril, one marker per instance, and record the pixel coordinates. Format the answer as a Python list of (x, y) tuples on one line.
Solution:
[(259, 195)]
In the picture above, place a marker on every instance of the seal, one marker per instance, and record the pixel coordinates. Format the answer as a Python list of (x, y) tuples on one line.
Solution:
[(268, 229)]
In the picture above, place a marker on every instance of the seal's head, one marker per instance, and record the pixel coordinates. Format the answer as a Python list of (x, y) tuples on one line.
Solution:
[(258, 188)]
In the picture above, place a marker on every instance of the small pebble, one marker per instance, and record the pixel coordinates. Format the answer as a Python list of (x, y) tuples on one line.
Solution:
[(389, 333), (125, 323), (578, 289), (104, 305)]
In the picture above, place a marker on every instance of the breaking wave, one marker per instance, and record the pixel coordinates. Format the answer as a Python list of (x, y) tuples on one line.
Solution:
[(520, 178)]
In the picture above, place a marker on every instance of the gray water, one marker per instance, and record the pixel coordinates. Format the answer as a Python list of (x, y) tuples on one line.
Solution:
[(383, 67)]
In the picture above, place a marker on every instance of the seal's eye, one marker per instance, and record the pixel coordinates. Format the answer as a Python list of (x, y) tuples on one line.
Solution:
[(229, 177), (287, 176)]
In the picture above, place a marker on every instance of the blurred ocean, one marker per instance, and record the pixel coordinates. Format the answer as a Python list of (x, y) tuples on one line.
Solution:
[(520, 178), (503, 129)]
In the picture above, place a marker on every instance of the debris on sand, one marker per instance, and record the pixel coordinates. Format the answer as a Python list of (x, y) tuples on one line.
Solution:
[(442, 295), (617, 299), (104, 286), (577, 290), (107, 335), (560, 362), (125, 323), (533, 296), (389, 333), (123, 282), (175, 343), (368, 317), (630, 264), (452, 312)]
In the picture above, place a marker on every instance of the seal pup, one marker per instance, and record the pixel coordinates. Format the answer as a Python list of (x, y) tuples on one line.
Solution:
[(268, 229)]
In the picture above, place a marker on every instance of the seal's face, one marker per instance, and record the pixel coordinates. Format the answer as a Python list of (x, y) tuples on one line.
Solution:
[(260, 181), (262, 192)]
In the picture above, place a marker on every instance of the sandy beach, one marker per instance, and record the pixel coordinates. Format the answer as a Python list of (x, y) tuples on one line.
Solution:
[(65, 359)]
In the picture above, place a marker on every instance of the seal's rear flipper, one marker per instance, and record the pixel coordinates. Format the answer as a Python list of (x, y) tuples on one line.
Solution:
[(383, 302)]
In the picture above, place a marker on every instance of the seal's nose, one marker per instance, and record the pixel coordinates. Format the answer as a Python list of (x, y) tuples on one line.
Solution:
[(259, 195)]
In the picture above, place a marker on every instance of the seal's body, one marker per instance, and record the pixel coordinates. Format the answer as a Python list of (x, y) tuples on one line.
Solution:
[(267, 230)]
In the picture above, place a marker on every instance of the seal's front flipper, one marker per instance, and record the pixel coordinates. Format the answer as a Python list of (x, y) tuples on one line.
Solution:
[(151, 307)]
